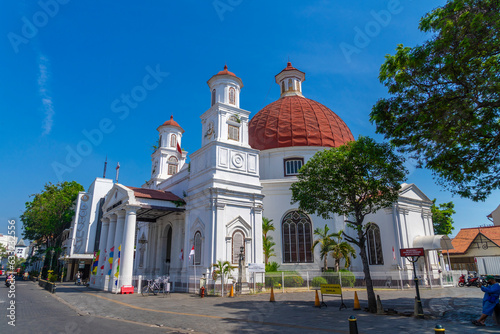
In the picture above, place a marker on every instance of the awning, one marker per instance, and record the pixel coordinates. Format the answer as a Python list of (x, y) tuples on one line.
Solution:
[(432, 242)]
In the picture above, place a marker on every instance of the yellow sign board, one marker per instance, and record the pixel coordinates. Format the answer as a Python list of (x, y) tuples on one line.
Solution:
[(331, 289)]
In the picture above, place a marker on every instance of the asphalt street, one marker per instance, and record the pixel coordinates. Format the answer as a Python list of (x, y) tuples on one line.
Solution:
[(76, 309)]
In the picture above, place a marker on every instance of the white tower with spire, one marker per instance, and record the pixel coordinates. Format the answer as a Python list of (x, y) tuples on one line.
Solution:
[(168, 158), (224, 194)]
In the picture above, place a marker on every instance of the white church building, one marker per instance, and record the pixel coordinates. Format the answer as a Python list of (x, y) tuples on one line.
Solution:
[(215, 203)]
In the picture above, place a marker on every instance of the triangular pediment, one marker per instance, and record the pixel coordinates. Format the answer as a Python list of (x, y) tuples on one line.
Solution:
[(413, 192), (118, 195), (238, 223)]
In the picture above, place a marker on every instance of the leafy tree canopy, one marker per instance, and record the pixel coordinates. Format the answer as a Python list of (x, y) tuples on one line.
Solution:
[(441, 217), (50, 212), (445, 104), (357, 179), (352, 180)]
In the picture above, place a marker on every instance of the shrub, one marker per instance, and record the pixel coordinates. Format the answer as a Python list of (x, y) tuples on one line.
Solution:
[(274, 280), (331, 276), (52, 277), (34, 273), (272, 267), (317, 281), (293, 279), (348, 278)]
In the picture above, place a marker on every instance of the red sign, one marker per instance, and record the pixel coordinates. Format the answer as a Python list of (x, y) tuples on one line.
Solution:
[(411, 251)]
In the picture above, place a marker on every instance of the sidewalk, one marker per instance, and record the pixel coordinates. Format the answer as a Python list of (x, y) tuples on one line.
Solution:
[(453, 308)]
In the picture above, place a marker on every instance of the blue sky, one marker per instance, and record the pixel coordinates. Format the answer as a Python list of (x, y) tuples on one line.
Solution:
[(70, 69)]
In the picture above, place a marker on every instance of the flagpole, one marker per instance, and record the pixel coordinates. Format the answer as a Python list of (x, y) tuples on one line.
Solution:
[(117, 171)]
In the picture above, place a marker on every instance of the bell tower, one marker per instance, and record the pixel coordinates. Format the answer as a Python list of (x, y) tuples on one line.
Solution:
[(225, 121), (168, 158)]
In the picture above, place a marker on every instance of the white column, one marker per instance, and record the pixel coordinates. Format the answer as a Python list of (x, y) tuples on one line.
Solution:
[(111, 240), (127, 261), (102, 243), (120, 222)]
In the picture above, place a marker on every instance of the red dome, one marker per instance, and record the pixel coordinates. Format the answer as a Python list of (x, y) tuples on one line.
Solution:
[(171, 122), (297, 121)]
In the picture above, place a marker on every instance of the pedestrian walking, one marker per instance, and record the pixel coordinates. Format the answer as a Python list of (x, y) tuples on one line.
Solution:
[(490, 299)]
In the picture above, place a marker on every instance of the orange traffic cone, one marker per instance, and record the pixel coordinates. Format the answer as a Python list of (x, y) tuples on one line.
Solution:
[(316, 300), (231, 292), (272, 295), (356, 302)]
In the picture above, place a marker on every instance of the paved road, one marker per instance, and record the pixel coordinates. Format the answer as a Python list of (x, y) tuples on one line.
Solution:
[(292, 312), (37, 311)]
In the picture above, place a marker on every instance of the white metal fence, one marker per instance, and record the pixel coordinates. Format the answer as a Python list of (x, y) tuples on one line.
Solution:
[(303, 280)]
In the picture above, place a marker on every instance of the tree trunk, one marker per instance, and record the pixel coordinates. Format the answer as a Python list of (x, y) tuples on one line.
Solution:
[(372, 301), (325, 263)]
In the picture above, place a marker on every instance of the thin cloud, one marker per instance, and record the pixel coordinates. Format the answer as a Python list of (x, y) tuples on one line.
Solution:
[(43, 89)]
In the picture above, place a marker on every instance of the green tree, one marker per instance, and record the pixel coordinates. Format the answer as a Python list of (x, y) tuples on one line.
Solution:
[(268, 245), (50, 212), (342, 250), (3, 252), (444, 108), (267, 241), (441, 217), (267, 225), (353, 180), (325, 240), (223, 270)]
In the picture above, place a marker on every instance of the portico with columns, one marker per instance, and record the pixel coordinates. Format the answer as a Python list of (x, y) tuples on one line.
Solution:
[(123, 208)]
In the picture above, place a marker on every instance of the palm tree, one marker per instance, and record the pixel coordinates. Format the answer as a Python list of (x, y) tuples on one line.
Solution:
[(268, 246), (342, 250), (222, 269), (325, 240), (267, 243), (267, 226)]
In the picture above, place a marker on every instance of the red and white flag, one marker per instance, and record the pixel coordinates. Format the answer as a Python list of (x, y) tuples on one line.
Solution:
[(179, 148), (181, 255), (191, 253), (393, 253)]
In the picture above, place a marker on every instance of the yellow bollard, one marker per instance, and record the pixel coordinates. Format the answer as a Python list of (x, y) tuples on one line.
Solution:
[(438, 329), (353, 325), (316, 300), (272, 295), (356, 302), (231, 292)]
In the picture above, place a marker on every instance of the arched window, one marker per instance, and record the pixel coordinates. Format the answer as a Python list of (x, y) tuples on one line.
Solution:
[(172, 165), (290, 84), (283, 86), (173, 140), (374, 245), (213, 96), (159, 142), (297, 238), (238, 242), (197, 248), (232, 93)]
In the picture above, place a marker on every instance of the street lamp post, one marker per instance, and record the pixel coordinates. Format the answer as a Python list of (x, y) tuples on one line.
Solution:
[(240, 268)]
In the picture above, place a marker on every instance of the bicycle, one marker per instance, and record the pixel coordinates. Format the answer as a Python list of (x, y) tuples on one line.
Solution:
[(152, 287)]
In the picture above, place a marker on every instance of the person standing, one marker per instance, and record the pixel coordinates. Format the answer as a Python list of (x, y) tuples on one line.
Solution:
[(490, 299)]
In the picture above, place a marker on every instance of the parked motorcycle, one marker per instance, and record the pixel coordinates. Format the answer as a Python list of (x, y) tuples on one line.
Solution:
[(472, 280), (9, 281), (461, 281)]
